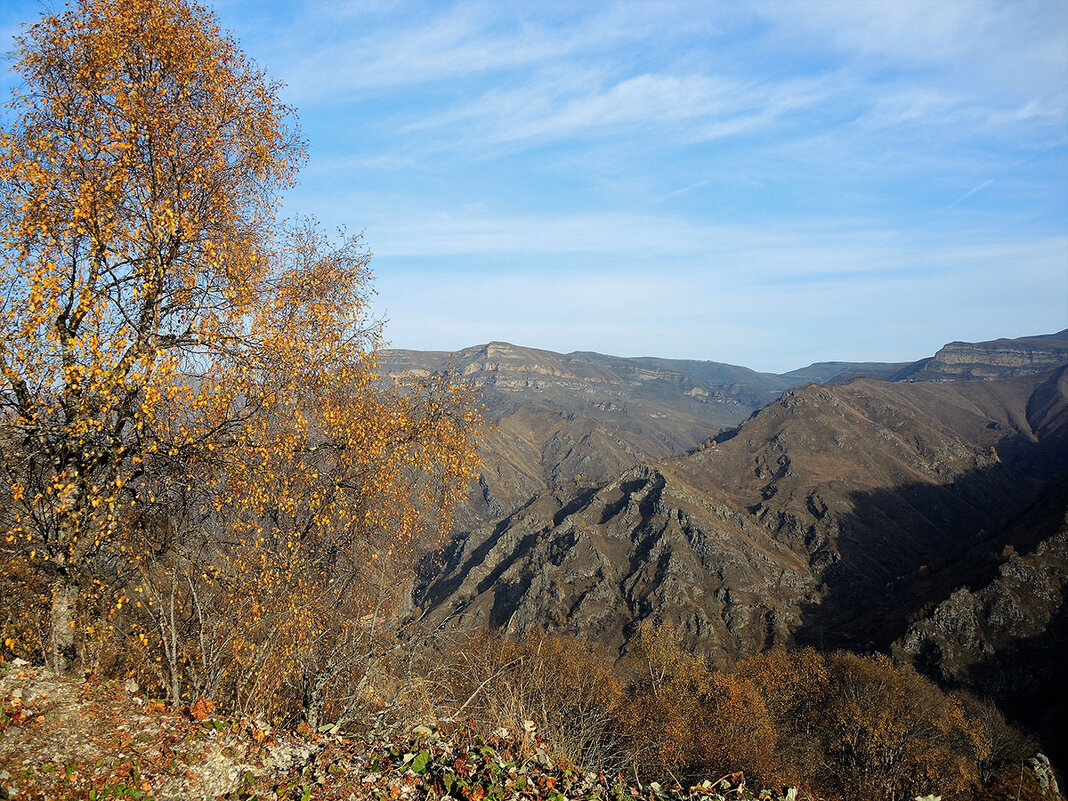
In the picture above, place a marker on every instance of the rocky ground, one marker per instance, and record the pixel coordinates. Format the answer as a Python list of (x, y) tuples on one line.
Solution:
[(100, 739), (60, 738)]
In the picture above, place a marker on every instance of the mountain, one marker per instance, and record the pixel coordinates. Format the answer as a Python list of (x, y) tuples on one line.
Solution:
[(513, 375), (577, 420), (998, 358), (646, 546), (829, 517), (571, 422), (922, 515), (841, 372)]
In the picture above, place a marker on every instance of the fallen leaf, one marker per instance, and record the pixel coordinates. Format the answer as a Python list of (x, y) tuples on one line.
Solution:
[(201, 709)]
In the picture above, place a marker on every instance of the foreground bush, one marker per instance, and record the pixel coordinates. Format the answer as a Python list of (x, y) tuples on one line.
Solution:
[(695, 721), (864, 724), (837, 726)]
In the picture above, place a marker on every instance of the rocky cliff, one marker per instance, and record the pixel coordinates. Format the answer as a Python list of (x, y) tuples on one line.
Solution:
[(999, 358), (646, 546)]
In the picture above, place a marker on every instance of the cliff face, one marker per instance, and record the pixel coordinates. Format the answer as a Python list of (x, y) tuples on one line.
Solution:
[(645, 546), (999, 358), (510, 376)]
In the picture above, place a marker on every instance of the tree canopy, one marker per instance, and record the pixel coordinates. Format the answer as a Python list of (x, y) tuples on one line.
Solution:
[(179, 366)]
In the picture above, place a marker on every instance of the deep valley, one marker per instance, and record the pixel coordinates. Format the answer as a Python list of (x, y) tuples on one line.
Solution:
[(916, 509)]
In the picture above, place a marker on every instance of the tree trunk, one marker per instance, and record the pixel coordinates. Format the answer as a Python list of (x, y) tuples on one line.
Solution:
[(62, 651), (311, 701)]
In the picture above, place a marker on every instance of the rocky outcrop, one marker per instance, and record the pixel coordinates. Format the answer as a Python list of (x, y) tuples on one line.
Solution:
[(642, 548), (999, 358), (969, 634)]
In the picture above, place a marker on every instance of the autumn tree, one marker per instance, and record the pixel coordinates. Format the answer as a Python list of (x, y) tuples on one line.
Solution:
[(864, 726), (177, 365), (699, 723)]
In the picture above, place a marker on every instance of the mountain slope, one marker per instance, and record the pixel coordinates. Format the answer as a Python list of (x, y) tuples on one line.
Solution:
[(641, 547), (891, 488), (841, 372), (830, 516), (572, 421)]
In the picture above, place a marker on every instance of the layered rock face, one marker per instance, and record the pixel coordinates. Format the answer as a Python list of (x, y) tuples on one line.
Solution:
[(999, 358), (513, 376)]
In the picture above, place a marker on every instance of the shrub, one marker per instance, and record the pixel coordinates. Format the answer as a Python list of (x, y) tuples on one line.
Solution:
[(697, 723)]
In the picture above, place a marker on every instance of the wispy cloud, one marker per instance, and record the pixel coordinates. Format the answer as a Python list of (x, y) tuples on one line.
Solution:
[(684, 189), (435, 45), (582, 104), (929, 61), (970, 192), (555, 108), (829, 167), (844, 249), (453, 44)]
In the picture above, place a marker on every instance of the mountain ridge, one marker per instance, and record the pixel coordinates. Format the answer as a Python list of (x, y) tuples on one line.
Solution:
[(839, 516), (569, 422)]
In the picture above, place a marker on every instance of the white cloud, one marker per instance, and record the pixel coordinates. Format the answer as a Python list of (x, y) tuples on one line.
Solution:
[(903, 31), (714, 309), (786, 254), (580, 104), (429, 44)]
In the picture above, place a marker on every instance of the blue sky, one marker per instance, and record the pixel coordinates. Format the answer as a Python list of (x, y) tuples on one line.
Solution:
[(762, 183)]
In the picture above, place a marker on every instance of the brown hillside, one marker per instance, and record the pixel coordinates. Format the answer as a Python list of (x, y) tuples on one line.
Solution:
[(830, 516)]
